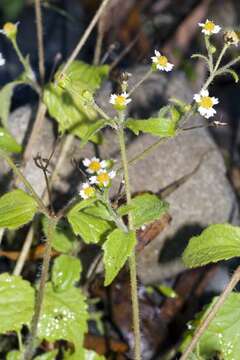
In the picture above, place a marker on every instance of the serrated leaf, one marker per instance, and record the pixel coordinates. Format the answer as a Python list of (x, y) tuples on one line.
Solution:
[(90, 227), (217, 242), (66, 272), (117, 248), (162, 127), (16, 303), (64, 316), (144, 209), (16, 209), (223, 334), (67, 101), (8, 143), (63, 237)]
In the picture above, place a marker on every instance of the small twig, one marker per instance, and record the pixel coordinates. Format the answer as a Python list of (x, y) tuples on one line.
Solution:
[(24, 252), (38, 14), (85, 36), (145, 77), (40, 294), (211, 314), (99, 42), (125, 51)]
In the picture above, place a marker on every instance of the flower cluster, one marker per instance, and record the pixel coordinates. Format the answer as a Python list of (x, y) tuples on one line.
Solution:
[(2, 60), (101, 176)]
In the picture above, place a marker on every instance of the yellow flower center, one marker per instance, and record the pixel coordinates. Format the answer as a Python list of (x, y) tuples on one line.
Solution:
[(162, 60), (89, 191), (206, 102), (95, 166), (209, 26), (103, 177), (120, 100), (10, 29)]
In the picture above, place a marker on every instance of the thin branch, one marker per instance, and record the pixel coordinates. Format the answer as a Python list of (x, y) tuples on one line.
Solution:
[(41, 57), (211, 314), (99, 42), (85, 36), (40, 294), (24, 252)]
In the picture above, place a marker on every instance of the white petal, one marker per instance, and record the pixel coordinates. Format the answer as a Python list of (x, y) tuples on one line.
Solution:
[(215, 100), (197, 97), (95, 159), (157, 53), (204, 92), (126, 95), (112, 174), (216, 29), (113, 99), (93, 180), (2, 61), (86, 162), (128, 101), (206, 32), (169, 67), (83, 195), (103, 164), (201, 24), (85, 185)]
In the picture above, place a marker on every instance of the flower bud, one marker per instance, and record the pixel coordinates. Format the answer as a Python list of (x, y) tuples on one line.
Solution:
[(231, 38), (10, 30)]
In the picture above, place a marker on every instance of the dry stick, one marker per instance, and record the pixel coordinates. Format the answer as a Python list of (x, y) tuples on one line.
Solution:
[(40, 294), (100, 36), (85, 36), (24, 252), (39, 25), (212, 313)]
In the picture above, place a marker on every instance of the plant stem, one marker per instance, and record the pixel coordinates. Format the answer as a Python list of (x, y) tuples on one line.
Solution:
[(145, 77), (40, 294), (39, 25), (20, 343), (24, 181), (212, 313), (132, 259), (85, 36), (224, 49)]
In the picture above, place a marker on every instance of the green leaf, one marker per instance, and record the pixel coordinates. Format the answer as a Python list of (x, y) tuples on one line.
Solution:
[(48, 356), (162, 127), (92, 355), (16, 209), (14, 355), (70, 101), (93, 129), (117, 248), (5, 101), (88, 224), (223, 334), (145, 209), (65, 272), (64, 316), (217, 242), (63, 238), (8, 143), (16, 303)]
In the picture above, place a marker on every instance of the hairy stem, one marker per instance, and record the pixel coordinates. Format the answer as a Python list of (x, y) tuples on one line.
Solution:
[(39, 25), (132, 259), (40, 294), (85, 35), (211, 314), (26, 183)]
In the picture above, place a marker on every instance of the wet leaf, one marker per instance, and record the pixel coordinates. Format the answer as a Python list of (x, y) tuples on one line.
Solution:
[(117, 248), (88, 224), (217, 242), (65, 272), (8, 143), (145, 209), (16, 209), (223, 334), (64, 316), (16, 303)]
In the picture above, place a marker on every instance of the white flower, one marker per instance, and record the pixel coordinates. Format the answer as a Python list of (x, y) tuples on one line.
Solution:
[(205, 103), (10, 30), (2, 60), (161, 62), (209, 28), (121, 101), (87, 191), (94, 165), (103, 177)]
